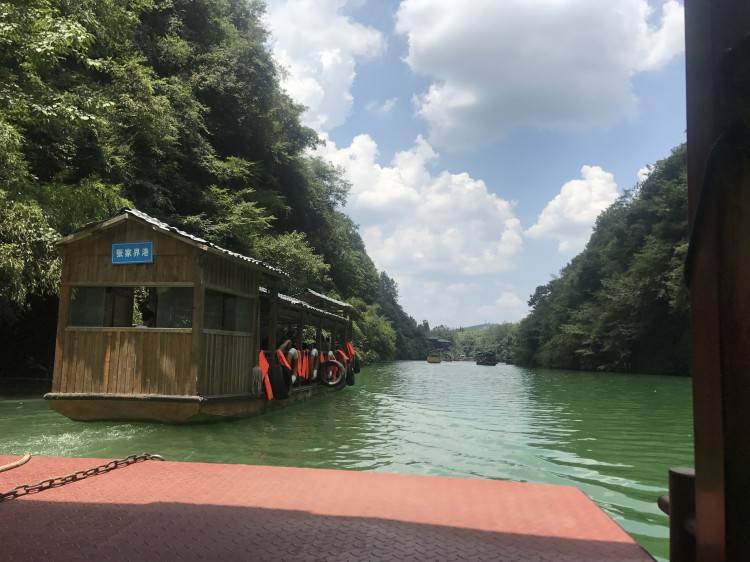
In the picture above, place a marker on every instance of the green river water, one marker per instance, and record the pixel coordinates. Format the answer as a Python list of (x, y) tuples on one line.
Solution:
[(614, 436)]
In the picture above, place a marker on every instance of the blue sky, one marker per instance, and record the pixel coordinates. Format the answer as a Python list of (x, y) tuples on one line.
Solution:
[(482, 139)]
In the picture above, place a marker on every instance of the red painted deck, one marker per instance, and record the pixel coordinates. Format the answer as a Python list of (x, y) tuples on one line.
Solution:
[(195, 511)]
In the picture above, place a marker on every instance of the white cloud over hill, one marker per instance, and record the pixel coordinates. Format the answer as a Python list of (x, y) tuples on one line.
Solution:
[(430, 231), (570, 216), (320, 48), (414, 221), (493, 66), (498, 65), (461, 303)]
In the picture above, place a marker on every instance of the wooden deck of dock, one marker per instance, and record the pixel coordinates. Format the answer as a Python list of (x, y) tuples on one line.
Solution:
[(198, 511)]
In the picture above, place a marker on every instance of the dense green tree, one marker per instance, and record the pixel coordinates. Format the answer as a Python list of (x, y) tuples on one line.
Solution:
[(411, 341), (373, 333), (621, 304), (175, 107), (28, 265), (498, 338)]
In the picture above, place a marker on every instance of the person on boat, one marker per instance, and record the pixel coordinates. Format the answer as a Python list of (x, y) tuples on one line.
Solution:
[(291, 353), (148, 318), (314, 356)]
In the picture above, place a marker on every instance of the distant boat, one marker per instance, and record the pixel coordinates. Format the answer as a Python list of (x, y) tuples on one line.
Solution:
[(434, 356), (486, 358)]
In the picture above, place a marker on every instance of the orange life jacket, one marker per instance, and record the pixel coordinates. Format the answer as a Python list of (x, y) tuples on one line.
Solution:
[(350, 349), (263, 364), (281, 356), (302, 365), (342, 355)]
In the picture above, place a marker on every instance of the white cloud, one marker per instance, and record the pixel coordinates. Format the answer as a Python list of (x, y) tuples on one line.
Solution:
[(382, 108), (668, 39), (320, 49), (416, 222), (460, 303), (437, 234), (570, 216), (508, 307), (645, 172), (532, 63)]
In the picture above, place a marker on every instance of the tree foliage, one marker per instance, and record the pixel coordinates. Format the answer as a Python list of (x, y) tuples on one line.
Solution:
[(373, 333), (411, 339), (497, 338), (28, 265), (175, 107), (621, 304)]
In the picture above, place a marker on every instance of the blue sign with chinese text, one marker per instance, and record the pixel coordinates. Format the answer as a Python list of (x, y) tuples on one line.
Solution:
[(132, 252)]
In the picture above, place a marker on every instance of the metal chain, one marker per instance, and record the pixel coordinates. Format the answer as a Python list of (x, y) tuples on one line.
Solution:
[(26, 489)]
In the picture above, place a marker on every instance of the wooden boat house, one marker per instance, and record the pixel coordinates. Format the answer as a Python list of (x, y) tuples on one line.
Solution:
[(155, 323)]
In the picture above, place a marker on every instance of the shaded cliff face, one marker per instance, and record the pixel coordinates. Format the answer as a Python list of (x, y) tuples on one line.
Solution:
[(621, 304)]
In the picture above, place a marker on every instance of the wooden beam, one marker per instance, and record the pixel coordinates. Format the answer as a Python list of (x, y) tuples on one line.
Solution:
[(300, 327), (62, 322), (273, 316), (720, 290), (199, 302)]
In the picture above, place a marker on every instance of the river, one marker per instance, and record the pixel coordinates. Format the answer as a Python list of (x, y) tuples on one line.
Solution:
[(612, 435)]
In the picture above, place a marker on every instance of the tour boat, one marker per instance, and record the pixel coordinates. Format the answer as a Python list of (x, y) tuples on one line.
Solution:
[(487, 358), (157, 324), (434, 357)]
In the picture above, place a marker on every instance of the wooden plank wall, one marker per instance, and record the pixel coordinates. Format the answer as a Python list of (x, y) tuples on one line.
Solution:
[(130, 361), (126, 362), (228, 362), (229, 274), (89, 260), (228, 359)]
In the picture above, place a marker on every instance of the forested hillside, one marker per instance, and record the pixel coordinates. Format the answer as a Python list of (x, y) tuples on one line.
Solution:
[(498, 338), (621, 304), (173, 107)]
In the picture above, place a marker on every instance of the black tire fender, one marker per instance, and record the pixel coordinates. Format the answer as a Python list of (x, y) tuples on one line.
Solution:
[(279, 382), (322, 370)]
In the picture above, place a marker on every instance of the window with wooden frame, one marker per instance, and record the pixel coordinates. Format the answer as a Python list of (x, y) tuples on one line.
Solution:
[(227, 312), (131, 307)]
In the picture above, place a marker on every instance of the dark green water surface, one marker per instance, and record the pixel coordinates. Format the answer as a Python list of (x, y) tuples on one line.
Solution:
[(614, 436)]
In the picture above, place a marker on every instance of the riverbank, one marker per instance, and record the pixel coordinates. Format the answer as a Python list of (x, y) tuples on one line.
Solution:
[(604, 371)]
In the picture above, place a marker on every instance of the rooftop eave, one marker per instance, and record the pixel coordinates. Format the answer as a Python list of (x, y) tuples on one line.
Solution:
[(164, 228)]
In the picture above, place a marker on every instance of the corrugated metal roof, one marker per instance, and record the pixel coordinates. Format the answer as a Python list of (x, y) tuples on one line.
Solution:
[(303, 304), (330, 300), (164, 227)]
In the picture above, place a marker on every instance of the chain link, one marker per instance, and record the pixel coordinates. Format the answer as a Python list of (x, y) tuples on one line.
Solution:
[(26, 489)]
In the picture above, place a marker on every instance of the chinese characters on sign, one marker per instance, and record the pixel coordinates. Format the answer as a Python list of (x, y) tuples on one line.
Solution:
[(133, 252)]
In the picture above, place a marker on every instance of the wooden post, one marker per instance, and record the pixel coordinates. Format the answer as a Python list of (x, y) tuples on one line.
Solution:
[(199, 300), (273, 316), (720, 293), (300, 328), (62, 321)]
